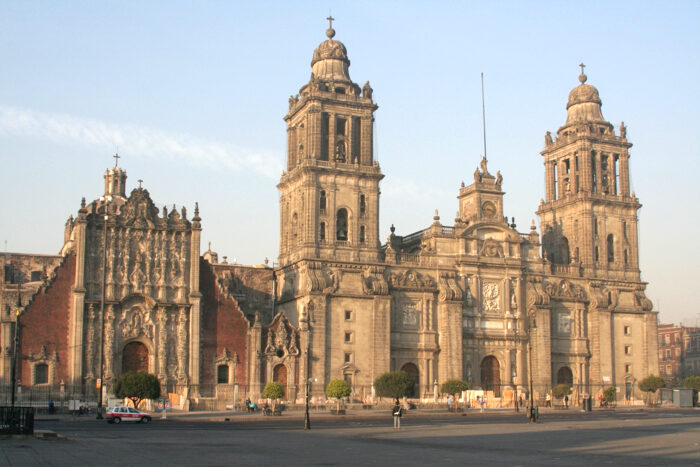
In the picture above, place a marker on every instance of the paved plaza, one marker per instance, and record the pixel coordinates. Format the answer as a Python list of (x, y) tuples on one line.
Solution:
[(622, 437)]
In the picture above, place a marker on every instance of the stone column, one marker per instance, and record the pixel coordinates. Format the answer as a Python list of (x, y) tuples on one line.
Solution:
[(549, 180), (76, 333)]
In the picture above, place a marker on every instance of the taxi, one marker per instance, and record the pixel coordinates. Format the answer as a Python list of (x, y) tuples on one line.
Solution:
[(127, 414)]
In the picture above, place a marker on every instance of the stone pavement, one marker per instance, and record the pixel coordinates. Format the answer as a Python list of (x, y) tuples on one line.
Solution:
[(620, 437)]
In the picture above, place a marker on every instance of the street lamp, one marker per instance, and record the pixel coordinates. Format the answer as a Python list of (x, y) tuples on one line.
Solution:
[(307, 422), (531, 411), (104, 200), (13, 368)]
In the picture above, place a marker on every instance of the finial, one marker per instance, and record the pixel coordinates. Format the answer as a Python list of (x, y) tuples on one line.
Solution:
[(393, 229), (82, 202), (210, 245), (116, 159), (330, 32), (196, 209), (582, 77), (140, 182), (436, 217)]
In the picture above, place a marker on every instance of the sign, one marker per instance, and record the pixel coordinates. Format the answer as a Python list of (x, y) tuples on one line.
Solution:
[(606, 379), (98, 383)]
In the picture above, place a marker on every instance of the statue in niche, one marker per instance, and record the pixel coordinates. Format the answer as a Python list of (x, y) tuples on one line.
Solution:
[(340, 151), (513, 295)]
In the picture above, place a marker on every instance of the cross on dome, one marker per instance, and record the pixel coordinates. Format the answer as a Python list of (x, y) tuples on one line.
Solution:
[(116, 159), (330, 32), (582, 77)]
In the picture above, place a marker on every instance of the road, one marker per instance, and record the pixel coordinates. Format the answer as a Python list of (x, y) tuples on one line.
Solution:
[(628, 437)]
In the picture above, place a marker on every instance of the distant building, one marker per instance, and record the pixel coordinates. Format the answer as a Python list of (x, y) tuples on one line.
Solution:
[(679, 352), (475, 300)]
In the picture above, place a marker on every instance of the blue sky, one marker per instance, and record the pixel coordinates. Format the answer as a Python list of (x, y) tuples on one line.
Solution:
[(192, 95)]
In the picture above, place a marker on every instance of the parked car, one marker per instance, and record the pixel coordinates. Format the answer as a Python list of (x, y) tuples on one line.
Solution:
[(127, 414)]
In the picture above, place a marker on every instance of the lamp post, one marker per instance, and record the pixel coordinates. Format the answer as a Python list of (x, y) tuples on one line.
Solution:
[(307, 422), (15, 346), (531, 412), (105, 200)]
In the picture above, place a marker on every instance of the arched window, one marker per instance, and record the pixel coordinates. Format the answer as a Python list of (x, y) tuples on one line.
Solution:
[(322, 231), (611, 248), (41, 373), (341, 225), (222, 374), (565, 376), (363, 205), (322, 201), (362, 234)]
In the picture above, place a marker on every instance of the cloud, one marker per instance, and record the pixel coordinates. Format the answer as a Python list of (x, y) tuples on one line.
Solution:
[(141, 141)]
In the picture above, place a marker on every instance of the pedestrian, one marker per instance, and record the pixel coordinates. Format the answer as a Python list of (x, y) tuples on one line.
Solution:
[(247, 404), (449, 403), (51, 407), (566, 401), (548, 400), (396, 413), (600, 400)]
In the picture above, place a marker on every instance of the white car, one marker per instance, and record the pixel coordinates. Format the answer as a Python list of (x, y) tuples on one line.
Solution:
[(127, 414)]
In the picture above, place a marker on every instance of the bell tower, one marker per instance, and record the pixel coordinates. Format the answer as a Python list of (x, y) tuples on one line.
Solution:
[(329, 194), (589, 217)]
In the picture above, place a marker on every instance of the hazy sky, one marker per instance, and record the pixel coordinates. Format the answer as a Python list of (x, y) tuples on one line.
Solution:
[(192, 95)]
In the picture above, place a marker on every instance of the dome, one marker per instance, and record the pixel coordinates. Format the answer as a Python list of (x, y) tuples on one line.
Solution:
[(584, 103), (330, 60)]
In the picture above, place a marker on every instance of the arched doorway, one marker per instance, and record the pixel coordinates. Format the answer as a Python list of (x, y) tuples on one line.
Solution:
[(412, 371), (135, 357), (279, 374), (565, 376), (491, 375)]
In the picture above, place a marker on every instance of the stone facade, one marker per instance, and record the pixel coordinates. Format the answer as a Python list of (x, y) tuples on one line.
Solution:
[(475, 300)]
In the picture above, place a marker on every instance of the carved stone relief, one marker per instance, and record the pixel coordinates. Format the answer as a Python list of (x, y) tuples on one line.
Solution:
[(490, 294)]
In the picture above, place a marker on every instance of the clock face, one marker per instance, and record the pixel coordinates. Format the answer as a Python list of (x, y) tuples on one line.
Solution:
[(488, 210)]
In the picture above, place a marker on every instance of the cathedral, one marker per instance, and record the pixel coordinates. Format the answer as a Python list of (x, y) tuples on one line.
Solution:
[(470, 299)]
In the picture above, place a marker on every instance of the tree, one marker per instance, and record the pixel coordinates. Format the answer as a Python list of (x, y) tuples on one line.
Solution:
[(394, 384), (454, 387), (651, 383), (338, 388), (561, 390), (609, 394), (692, 382), (273, 390), (137, 387)]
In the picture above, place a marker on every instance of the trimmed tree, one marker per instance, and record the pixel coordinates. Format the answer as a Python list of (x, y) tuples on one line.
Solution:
[(454, 387), (137, 387), (394, 384), (692, 382), (337, 389), (273, 390), (650, 384), (561, 390), (609, 394)]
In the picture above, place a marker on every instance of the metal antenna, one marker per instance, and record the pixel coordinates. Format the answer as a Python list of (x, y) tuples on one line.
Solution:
[(483, 113)]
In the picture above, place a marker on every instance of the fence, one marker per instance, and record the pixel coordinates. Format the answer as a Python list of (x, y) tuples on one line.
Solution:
[(17, 420)]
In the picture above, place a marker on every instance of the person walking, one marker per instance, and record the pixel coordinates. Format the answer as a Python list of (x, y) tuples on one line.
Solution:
[(566, 401), (396, 413)]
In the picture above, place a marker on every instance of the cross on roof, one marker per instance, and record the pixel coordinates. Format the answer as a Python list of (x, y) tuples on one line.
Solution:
[(330, 21), (116, 159), (582, 67), (140, 182)]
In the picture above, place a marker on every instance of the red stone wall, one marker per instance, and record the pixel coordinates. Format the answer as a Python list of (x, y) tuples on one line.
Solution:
[(46, 321), (223, 325)]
